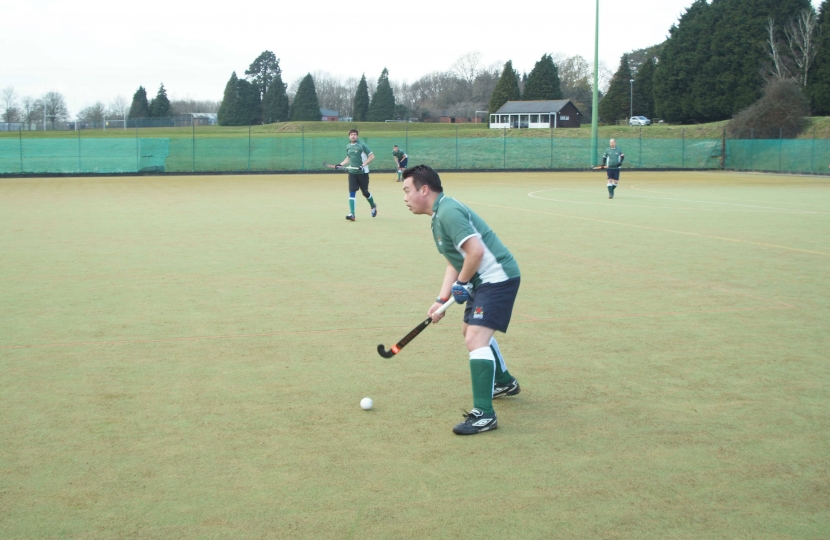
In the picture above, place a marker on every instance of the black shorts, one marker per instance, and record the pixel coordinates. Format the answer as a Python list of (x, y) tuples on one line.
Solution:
[(402, 163), (359, 181), (492, 305), (614, 174)]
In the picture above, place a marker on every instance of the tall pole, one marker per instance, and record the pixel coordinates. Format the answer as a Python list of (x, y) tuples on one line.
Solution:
[(631, 107), (595, 101)]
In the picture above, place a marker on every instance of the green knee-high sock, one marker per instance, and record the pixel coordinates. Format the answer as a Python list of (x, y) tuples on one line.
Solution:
[(613, 188), (399, 174), (502, 375), (610, 189), (351, 205), (371, 200), (482, 371)]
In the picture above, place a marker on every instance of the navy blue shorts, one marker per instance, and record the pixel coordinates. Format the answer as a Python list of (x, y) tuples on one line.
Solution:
[(402, 163), (492, 305), (614, 174)]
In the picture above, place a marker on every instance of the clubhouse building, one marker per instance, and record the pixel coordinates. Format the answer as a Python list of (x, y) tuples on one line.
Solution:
[(560, 113)]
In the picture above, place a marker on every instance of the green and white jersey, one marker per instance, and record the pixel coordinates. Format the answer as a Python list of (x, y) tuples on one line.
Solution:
[(614, 157), (358, 153), (452, 224), (400, 154)]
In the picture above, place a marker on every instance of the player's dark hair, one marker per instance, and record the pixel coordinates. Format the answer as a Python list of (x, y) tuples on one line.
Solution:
[(424, 175), (353, 131), (395, 146)]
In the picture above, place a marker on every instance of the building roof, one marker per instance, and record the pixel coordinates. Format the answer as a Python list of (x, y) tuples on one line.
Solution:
[(533, 107), (328, 112), (208, 115)]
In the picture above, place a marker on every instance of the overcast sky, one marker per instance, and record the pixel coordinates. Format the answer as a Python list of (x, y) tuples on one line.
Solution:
[(94, 50)]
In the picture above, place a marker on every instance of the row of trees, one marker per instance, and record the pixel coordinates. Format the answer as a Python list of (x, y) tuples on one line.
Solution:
[(468, 86), (31, 111), (721, 58)]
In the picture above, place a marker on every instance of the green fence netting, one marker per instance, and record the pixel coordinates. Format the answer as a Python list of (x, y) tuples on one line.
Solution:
[(215, 154)]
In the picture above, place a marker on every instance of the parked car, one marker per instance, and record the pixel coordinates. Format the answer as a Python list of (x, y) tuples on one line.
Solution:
[(639, 121)]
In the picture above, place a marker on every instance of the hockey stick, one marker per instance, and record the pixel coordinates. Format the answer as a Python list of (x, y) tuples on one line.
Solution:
[(599, 167), (396, 348), (342, 168)]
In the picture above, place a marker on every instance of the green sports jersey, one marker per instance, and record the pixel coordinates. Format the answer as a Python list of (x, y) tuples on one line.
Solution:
[(614, 157), (358, 153), (400, 154), (452, 224)]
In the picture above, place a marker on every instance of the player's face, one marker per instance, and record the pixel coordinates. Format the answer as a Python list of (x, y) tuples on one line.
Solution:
[(613, 143), (353, 136), (416, 199)]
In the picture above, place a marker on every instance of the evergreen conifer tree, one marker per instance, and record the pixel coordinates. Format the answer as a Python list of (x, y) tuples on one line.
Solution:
[(681, 59), (228, 114), (710, 67), (361, 101), (818, 86), (160, 106), (275, 105), (305, 106), (249, 104), (140, 108), (507, 89), (644, 89), (263, 71), (383, 101), (616, 103), (543, 81)]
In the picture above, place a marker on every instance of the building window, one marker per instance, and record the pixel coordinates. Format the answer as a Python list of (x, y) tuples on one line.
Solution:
[(545, 119), (564, 118), (505, 119), (534, 118)]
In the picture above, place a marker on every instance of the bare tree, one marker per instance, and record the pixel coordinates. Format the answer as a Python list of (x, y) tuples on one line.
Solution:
[(31, 111), (94, 114), (8, 101), (778, 69), (119, 107), (54, 107), (467, 67), (801, 42), (334, 94)]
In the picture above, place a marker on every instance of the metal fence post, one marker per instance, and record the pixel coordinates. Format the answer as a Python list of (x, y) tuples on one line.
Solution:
[(551, 148), (751, 149), (683, 148), (302, 142), (79, 148), (504, 147), (780, 142), (249, 148), (136, 148), (640, 164), (813, 151), (406, 144), (193, 149), (20, 137), (456, 145)]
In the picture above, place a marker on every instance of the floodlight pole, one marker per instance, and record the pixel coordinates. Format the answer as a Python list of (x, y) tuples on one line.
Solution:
[(631, 109), (595, 101)]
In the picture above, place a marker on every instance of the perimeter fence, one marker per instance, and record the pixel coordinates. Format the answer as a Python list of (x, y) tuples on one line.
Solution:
[(261, 152)]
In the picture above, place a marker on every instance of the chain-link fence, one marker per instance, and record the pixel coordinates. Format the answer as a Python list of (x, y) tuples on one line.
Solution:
[(241, 151)]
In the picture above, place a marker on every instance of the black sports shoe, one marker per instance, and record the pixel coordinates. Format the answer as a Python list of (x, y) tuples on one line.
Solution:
[(374, 211), (350, 217), (476, 422), (509, 389)]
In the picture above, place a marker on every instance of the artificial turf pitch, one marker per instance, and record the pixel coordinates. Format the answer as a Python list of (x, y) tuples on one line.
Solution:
[(183, 357)]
